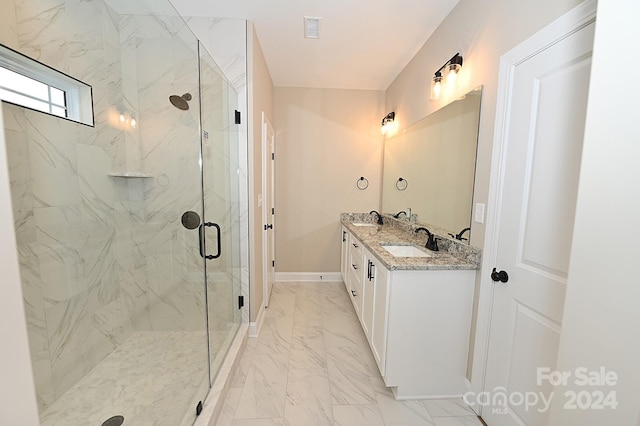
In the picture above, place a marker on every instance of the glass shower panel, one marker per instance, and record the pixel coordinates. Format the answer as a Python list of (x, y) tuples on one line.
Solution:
[(112, 277), (221, 207)]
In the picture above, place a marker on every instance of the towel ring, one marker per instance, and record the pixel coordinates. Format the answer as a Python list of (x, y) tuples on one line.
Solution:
[(401, 184), (362, 183)]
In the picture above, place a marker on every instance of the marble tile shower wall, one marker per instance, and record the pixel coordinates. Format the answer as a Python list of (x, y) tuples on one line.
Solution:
[(102, 257)]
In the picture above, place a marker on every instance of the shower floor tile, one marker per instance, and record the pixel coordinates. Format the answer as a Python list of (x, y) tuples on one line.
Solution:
[(151, 379)]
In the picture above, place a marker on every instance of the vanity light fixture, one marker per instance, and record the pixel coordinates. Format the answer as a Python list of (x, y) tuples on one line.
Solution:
[(387, 121), (448, 72)]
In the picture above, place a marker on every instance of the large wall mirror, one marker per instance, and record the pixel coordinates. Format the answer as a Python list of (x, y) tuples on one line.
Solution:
[(430, 166)]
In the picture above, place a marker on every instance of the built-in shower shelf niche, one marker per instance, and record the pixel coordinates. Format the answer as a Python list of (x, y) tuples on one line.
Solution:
[(130, 175)]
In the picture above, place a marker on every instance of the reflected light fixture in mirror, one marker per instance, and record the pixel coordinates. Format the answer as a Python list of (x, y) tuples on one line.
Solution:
[(125, 121), (451, 68), (388, 122)]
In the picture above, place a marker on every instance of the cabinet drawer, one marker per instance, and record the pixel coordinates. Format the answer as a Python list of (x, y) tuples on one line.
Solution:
[(356, 259), (355, 293), (355, 248)]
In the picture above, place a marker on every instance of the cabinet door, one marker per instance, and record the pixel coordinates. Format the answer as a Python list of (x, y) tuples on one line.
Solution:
[(378, 340), (344, 258), (368, 294)]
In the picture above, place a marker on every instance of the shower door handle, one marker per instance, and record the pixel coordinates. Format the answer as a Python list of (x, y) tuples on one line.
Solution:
[(201, 238)]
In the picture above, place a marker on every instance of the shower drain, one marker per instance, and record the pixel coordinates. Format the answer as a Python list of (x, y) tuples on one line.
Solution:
[(114, 421)]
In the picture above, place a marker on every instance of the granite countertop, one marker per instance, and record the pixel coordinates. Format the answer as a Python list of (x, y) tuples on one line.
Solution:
[(452, 255)]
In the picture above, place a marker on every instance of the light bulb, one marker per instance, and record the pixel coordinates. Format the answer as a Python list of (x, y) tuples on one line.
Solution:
[(391, 127), (452, 74), (133, 122), (437, 89), (451, 78), (436, 86), (122, 118)]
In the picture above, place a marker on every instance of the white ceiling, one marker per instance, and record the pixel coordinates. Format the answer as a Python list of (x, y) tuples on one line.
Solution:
[(363, 44)]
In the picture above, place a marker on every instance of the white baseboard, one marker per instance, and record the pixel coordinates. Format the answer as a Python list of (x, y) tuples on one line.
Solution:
[(256, 326), (308, 277)]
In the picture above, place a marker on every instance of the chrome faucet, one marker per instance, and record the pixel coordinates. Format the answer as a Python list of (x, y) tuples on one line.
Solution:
[(379, 221), (432, 242)]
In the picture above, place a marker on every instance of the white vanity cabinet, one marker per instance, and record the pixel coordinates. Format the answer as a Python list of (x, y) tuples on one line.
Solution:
[(428, 328), (417, 323)]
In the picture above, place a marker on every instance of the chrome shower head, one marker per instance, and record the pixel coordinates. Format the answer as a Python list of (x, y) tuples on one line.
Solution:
[(180, 102)]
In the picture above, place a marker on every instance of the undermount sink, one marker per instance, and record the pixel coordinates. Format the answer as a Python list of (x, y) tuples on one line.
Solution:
[(359, 224), (406, 251)]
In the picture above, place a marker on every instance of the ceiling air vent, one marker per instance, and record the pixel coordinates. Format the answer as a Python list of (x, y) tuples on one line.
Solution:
[(312, 27)]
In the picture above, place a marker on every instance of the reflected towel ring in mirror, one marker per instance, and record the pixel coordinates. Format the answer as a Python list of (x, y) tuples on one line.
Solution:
[(362, 183), (401, 184)]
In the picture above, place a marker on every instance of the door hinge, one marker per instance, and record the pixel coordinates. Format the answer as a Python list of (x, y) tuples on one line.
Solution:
[(273, 211), (270, 226), (273, 156), (238, 120), (199, 408), (240, 302), (273, 263)]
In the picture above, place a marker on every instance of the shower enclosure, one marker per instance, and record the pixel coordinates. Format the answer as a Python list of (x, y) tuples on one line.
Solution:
[(129, 232)]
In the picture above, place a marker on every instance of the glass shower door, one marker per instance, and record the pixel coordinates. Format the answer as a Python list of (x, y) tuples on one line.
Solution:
[(221, 208), (111, 269)]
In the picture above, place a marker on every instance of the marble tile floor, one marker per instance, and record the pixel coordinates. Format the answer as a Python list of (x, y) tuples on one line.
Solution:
[(311, 365), (153, 378)]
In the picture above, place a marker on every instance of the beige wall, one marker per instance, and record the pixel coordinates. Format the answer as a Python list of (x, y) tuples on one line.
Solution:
[(325, 140), (260, 94), (481, 31)]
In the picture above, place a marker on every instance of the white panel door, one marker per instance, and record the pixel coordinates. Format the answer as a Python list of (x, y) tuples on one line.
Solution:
[(271, 208), (547, 106), (268, 213)]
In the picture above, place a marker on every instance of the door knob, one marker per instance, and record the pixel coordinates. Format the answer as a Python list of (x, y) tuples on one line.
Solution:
[(501, 276)]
